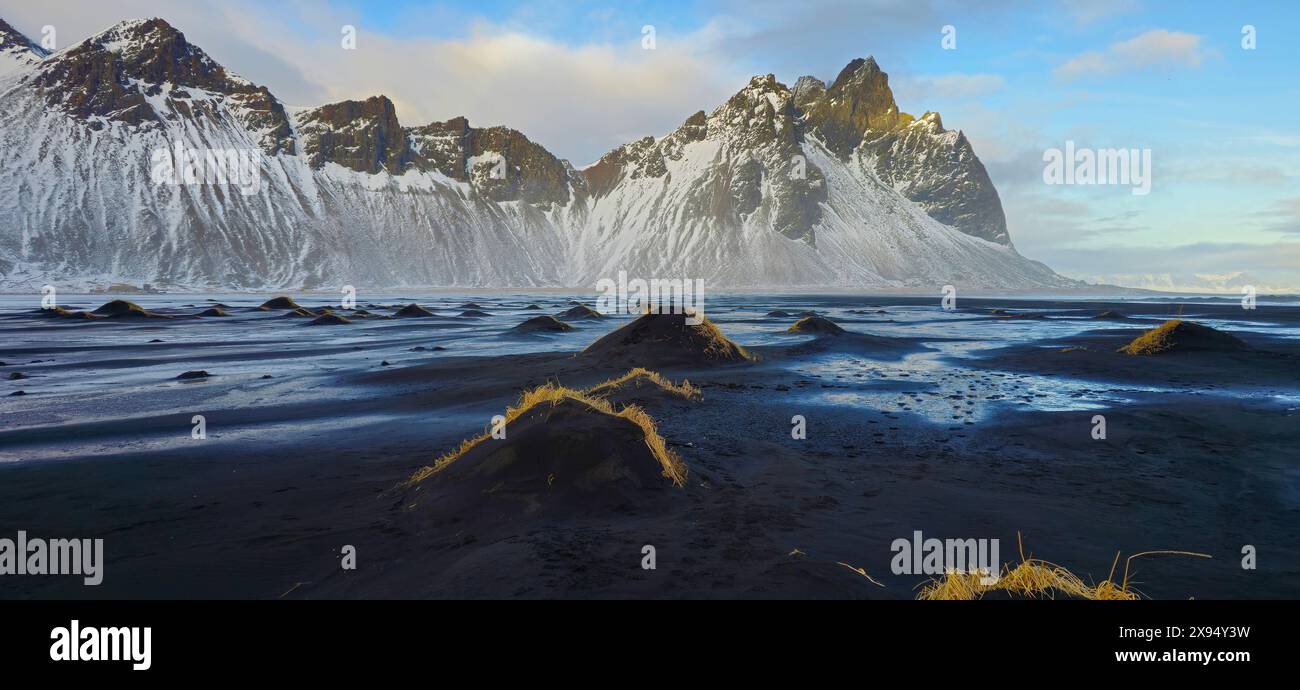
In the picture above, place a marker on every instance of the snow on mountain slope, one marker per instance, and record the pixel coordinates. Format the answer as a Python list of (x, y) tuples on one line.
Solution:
[(721, 199), (16, 50), (345, 194)]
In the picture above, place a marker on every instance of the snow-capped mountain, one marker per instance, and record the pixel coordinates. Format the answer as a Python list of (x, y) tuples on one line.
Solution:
[(819, 186), (16, 50)]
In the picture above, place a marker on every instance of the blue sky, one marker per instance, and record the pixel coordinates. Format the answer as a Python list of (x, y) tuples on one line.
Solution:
[(1171, 77)]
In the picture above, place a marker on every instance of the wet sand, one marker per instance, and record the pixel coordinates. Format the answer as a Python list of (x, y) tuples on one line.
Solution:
[(963, 424)]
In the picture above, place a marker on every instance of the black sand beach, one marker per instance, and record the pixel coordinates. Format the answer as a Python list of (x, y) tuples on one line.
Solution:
[(962, 424)]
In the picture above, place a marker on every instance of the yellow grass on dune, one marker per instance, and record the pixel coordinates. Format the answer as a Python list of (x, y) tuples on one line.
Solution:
[(683, 390), (1035, 577), (1181, 335), (551, 394)]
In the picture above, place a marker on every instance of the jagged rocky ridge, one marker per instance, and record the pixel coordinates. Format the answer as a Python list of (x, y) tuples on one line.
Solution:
[(815, 186)]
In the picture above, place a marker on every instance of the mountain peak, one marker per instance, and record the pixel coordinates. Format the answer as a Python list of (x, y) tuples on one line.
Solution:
[(807, 89), (16, 50), (364, 136), (859, 100)]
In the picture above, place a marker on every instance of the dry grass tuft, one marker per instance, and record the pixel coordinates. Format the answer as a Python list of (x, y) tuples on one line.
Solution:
[(683, 390), (1034, 577), (1177, 334), (551, 394)]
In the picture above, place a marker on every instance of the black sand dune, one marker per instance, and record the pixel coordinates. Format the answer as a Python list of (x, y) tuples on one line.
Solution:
[(413, 311), (281, 302), (470, 305), (213, 311), (644, 388), (1187, 356), (329, 319), (122, 309), (816, 325), (655, 340), (831, 337), (779, 314), (581, 311), (192, 375), (61, 313), (1182, 336), (474, 314), (542, 324), (532, 307), (298, 313), (564, 453)]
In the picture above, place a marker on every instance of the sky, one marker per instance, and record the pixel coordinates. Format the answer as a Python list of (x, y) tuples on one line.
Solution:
[(1174, 78)]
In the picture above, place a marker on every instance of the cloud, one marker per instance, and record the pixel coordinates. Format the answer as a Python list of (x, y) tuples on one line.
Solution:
[(1198, 267), (1283, 216), (1085, 12), (921, 88), (579, 101), (1158, 48)]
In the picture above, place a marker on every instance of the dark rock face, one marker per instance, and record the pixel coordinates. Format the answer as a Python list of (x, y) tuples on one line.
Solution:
[(17, 46), (858, 100), (364, 136), (929, 165), (807, 91), (94, 79), (524, 171), (763, 168), (939, 170)]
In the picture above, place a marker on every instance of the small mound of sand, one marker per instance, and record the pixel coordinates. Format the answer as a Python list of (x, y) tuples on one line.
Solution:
[(642, 386), (816, 325), (562, 450), (61, 313), (122, 309), (532, 307), (413, 311), (1182, 336), (542, 323), (1110, 315), (470, 305), (198, 374), (281, 302), (581, 311), (17, 376), (329, 319), (780, 314), (214, 311), (656, 340), (474, 313)]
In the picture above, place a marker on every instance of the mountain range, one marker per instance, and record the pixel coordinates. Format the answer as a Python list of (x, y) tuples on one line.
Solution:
[(815, 185)]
